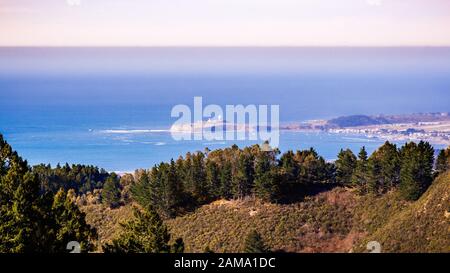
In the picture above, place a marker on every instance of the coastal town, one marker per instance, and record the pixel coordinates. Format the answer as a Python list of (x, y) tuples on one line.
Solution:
[(437, 133), (431, 127)]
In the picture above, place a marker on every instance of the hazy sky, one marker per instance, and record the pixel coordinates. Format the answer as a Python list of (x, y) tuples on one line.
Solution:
[(224, 22)]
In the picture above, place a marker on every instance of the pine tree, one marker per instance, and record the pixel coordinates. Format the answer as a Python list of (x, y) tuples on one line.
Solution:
[(71, 224), (289, 167), (361, 175), (226, 180), (111, 192), (22, 223), (416, 170), (409, 186), (187, 173), (32, 220), (345, 166), (171, 190), (254, 243), (387, 159), (267, 182), (80, 178), (199, 187), (313, 168), (141, 189), (146, 233), (244, 176), (213, 179), (443, 161), (156, 187), (426, 154)]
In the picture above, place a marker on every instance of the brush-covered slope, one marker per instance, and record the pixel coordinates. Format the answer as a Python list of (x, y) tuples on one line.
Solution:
[(334, 221), (424, 226), (321, 223)]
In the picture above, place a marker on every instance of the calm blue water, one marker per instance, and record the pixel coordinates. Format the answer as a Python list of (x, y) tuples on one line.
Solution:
[(57, 104)]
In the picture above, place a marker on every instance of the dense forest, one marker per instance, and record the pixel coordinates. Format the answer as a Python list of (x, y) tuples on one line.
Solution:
[(233, 173), (40, 205)]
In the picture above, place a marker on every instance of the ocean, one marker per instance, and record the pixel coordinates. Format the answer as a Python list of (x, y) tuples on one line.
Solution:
[(111, 107)]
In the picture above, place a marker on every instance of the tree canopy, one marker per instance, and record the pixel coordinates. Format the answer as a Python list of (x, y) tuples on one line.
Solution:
[(32, 219)]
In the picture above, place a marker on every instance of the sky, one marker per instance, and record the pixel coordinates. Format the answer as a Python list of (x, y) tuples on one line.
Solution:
[(224, 23)]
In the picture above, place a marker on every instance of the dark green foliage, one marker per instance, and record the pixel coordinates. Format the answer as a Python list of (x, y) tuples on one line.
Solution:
[(146, 233), (230, 173), (385, 168), (312, 168), (416, 169), (237, 173), (267, 179), (374, 168), (32, 219), (242, 181), (254, 243), (162, 189), (213, 179), (178, 246), (361, 177), (71, 224), (289, 167), (345, 165), (268, 186), (141, 189), (409, 169), (171, 193), (443, 161), (194, 176), (199, 188), (225, 180), (80, 178), (111, 192)]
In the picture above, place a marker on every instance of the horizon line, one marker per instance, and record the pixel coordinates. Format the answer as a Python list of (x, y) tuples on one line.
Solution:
[(225, 46)]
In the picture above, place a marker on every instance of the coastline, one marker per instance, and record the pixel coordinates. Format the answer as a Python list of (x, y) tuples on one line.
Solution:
[(431, 127)]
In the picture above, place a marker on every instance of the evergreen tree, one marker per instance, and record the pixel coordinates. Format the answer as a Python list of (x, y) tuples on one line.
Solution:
[(289, 167), (213, 179), (146, 233), (111, 192), (387, 160), (172, 190), (267, 181), (199, 188), (416, 170), (345, 166), (187, 173), (243, 178), (80, 178), (32, 220), (443, 161), (409, 186), (426, 163), (313, 168), (360, 177), (156, 186), (255, 244), (71, 224), (226, 180), (22, 223), (374, 173), (141, 189)]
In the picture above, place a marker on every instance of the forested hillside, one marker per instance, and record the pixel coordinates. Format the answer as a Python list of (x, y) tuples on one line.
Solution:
[(232, 200)]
